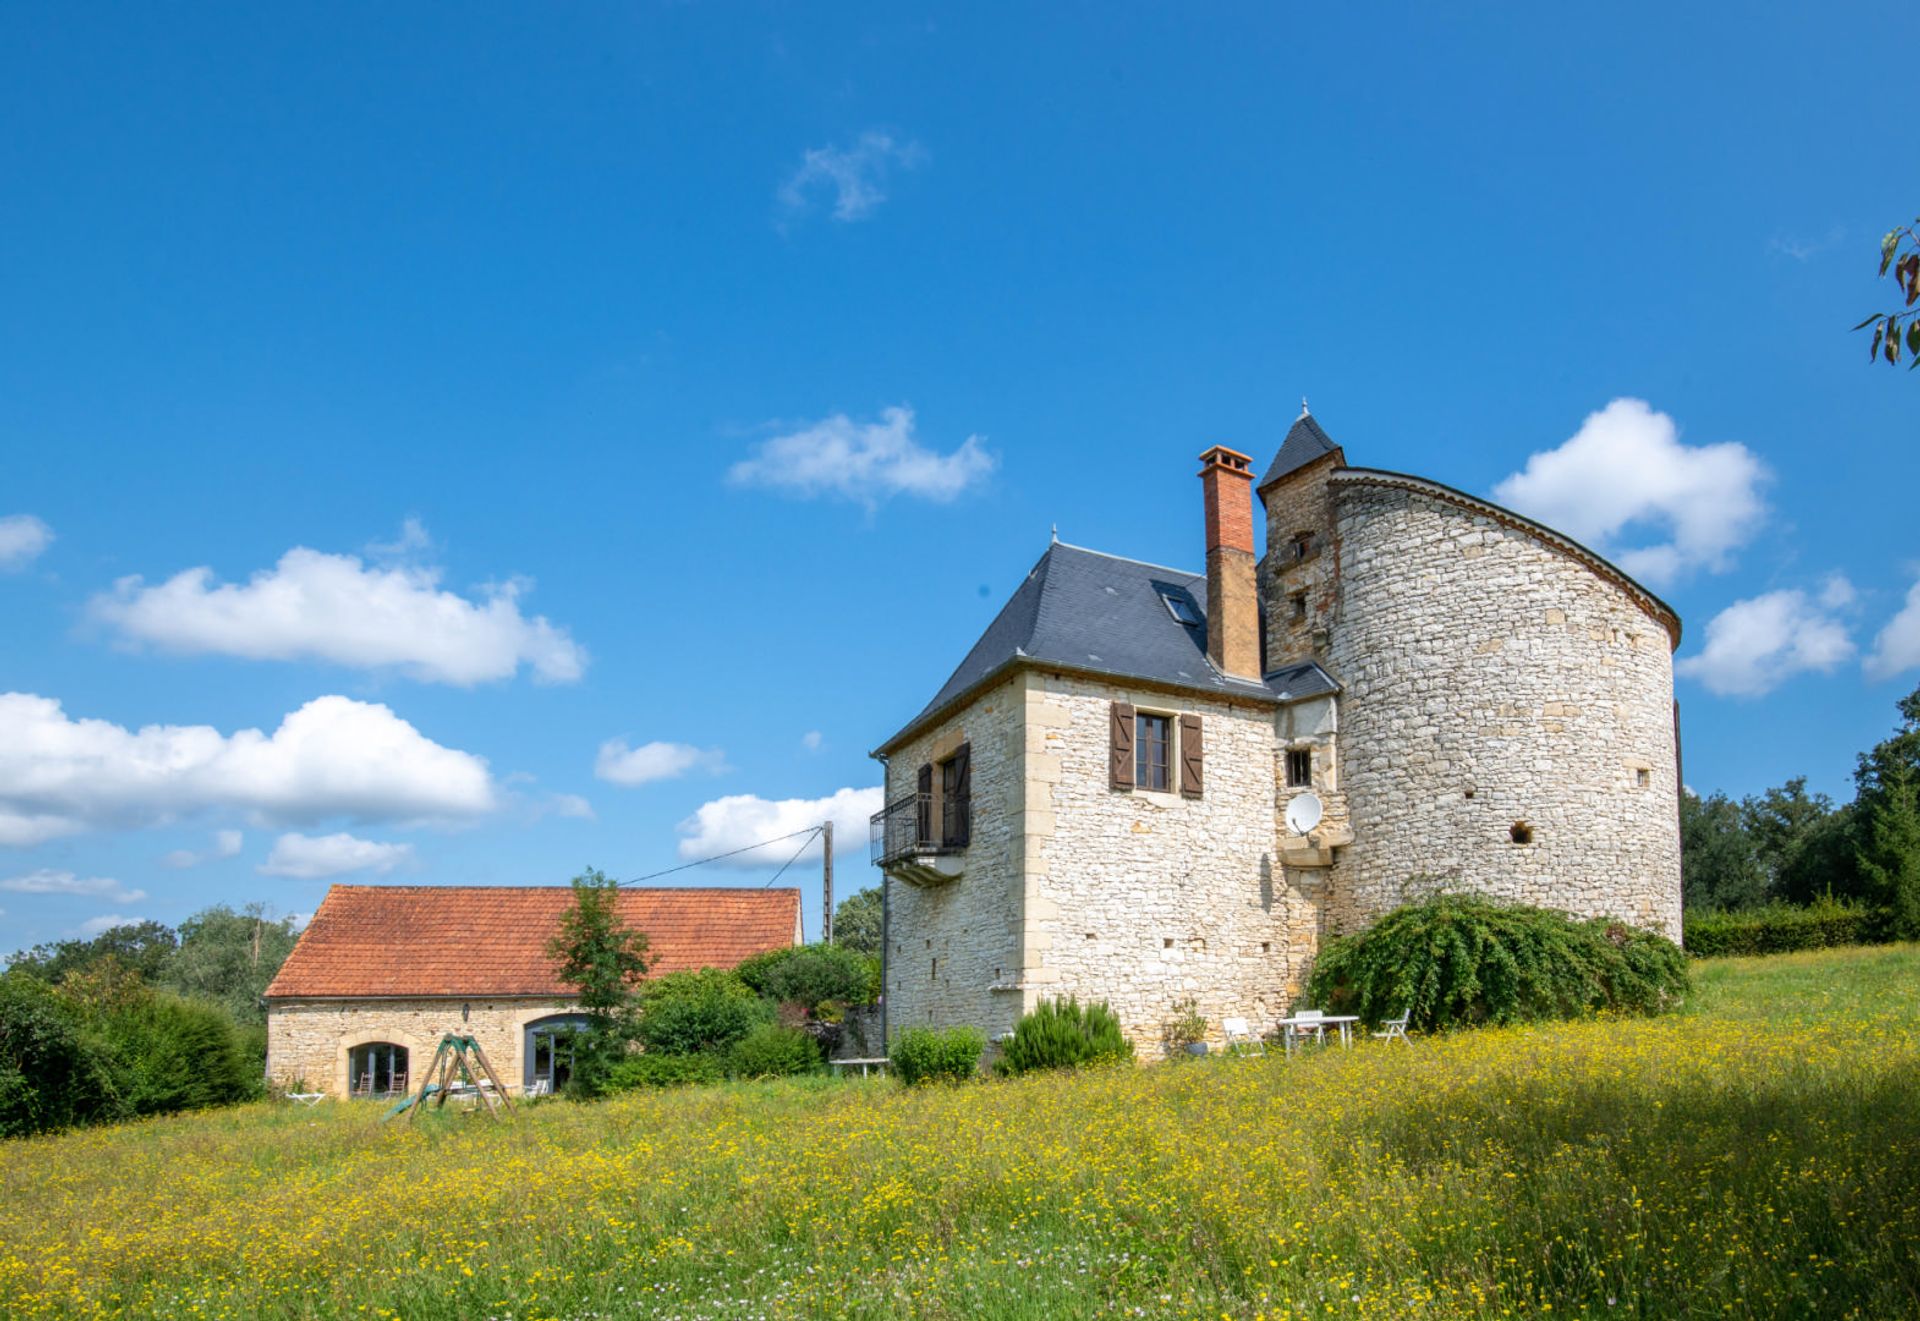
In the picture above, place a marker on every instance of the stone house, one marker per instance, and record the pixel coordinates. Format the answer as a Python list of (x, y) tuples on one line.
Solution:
[(1144, 784), (383, 970)]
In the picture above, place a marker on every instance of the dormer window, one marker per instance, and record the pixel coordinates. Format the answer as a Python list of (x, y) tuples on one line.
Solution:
[(1181, 609)]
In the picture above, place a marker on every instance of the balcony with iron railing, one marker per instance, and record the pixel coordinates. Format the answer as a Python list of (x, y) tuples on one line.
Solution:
[(921, 840)]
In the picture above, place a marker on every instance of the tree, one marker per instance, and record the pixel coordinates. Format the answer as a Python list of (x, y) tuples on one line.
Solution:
[(1719, 868), (229, 958), (144, 948), (1900, 251), (597, 952), (856, 922), (1887, 807), (1804, 844)]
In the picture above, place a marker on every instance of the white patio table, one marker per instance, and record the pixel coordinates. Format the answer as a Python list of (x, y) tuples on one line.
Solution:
[(1297, 1025)]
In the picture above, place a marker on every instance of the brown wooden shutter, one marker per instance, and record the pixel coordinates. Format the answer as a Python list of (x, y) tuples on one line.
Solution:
[(1120, 744), (923, 812), (962, 809), (1192, 757)]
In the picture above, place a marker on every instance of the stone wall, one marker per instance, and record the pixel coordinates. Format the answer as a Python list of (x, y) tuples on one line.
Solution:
[(1151, 898), (951, 945), (1492, 680), (308, 1040), (1299, 580)]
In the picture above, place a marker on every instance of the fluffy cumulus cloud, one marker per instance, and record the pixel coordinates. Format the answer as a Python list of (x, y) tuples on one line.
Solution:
[(855, 177), (226, 844), (1896, 648), (740, 820), (22, 538), (66, 883), (315, 857), (94, 926), (865, 462), (336, 609), (620, 764), (1754, 646), (334, 757), (1625, 485)]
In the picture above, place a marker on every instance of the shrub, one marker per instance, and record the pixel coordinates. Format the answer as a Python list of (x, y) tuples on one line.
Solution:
[(1458, 960), (773, 1050), (1779, 928), (686, 1013), (53, 1073), (810, 975), (169, 1054), (932, 1054), (1064, 1034), (1186, 1026), (650, 1070)]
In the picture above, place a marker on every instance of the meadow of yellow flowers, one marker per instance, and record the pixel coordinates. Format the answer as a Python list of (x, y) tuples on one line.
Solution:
[(1756, 1156)]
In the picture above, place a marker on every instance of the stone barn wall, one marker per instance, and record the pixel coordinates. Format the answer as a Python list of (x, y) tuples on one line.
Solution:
[(308, 1040)]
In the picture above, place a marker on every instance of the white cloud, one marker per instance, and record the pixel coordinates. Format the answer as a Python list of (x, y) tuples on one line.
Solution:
[(93, 926), (334, 608), (1626, 470), (736, 821), (65, 882), (226, 844), (571, 805), (864, 461), (314, 857), (1754, 646), (332, 757), (1896, 648), (22, 538), (300, 921), (811, 740), (619, 764), (854, 175)]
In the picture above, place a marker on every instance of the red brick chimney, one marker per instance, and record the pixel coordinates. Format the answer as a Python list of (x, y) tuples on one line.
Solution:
[(1233, 609)]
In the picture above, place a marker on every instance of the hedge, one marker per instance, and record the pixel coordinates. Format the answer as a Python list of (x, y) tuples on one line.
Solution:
[(1782, 928), (932, 1054)]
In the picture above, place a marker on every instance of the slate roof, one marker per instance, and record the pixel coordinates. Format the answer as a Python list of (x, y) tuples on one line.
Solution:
[(481, 940), (1305, 442), (1102, 614)]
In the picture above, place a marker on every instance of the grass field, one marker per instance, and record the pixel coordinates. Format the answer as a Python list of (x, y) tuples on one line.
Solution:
[(1756, 1156)]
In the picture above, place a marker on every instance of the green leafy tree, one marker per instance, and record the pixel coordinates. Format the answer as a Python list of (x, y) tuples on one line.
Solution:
[(809, 975), (690, 1013), (1719, 867), (856, 922), (605, 958), (145, 948), (1888, 811), (229, 958), (1900, 254)]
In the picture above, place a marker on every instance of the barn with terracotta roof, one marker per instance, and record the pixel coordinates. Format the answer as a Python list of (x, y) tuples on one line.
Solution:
[(383, 970)]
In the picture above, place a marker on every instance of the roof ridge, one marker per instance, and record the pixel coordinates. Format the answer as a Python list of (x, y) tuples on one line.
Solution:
[(624, 887), (1109, 555)]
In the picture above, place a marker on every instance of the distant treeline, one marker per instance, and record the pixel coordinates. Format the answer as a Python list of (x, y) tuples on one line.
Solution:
[(1789, 847)]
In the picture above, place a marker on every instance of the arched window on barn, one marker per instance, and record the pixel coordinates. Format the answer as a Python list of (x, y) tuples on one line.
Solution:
[(377, 1068), (548, 1052)]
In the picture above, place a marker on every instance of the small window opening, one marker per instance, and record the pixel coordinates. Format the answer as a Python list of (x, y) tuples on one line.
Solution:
[(1090, 935), (1467, 793), (1166, 942), (1181, 608), (1302, 545), (1642, 777), (1520, 833), (1299, 767), (1266, 947), (933, 970), (1299, 606)]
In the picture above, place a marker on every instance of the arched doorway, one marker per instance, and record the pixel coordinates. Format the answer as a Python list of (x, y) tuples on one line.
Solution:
[(548, 1052), (377, 1068)]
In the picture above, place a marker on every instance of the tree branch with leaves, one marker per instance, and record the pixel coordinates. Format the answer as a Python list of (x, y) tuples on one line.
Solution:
[(1899, 253), (599, 953)]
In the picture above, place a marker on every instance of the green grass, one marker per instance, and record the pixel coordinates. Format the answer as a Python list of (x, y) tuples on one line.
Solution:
[(1755, 1156)]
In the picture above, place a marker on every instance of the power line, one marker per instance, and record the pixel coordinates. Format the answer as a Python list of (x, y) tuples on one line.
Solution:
[(790, 861), (701, 862)]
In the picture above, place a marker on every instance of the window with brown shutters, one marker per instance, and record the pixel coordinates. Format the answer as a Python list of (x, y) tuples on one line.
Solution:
[(1152, 752), (1192, 757), (956, 798), (923, 813), (1120, 746)]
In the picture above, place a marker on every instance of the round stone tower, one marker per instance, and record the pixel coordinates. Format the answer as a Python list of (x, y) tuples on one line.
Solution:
[(1506, 721)]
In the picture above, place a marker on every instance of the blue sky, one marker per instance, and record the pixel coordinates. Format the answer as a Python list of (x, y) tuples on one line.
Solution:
[(519, 391)]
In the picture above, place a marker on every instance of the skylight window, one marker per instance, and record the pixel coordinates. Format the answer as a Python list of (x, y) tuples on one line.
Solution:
[(1180, 608)]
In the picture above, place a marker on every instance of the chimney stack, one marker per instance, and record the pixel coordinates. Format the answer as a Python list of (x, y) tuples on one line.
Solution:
[(1233, 609)]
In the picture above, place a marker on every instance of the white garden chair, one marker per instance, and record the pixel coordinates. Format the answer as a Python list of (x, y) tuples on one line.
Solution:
[(1306, 1023), (1395, 1029), (1239, 1034)]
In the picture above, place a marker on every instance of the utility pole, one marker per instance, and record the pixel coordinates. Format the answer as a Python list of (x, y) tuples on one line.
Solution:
[(826, 882)]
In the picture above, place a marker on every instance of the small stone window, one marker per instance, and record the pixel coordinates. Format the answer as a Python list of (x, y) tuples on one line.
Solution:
[(933, 970), (1299, 767), (1520, 833), (1266, 947), (1302, 546), (1642, 778), (1299, 601), (1166, 942)]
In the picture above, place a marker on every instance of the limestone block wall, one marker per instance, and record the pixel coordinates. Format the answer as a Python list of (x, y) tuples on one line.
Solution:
[(308, 1040), (1148, 898), (1299, 584), (1490, 678), (950, 946)]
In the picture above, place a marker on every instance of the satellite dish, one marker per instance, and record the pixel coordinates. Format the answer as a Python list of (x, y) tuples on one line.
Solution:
[(1304, 812)]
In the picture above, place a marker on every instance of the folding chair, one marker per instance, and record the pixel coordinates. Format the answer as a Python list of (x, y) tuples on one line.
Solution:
[(1307, 1024), (1395, 1029), (1239, 1034)]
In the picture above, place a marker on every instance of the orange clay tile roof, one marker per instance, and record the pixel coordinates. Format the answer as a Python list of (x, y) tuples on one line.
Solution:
[(423, 940)]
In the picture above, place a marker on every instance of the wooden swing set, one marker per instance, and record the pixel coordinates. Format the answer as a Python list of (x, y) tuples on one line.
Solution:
[(459, 1068)]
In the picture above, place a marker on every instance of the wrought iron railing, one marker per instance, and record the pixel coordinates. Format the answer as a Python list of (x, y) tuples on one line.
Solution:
[(907, 826)]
